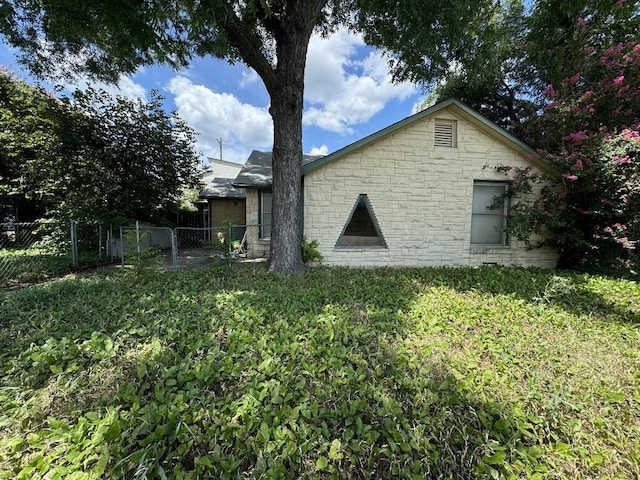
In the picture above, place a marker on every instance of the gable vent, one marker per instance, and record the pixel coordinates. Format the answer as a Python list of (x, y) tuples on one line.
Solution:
[(445, 134)]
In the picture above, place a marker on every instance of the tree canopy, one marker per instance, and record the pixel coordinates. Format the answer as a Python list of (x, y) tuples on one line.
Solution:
[(28, 115), (526, 49), (107, 38), (590, 132), (91, 157)]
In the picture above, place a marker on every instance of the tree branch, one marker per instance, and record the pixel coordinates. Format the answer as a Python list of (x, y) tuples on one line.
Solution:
[(268, 19), (243, 37)]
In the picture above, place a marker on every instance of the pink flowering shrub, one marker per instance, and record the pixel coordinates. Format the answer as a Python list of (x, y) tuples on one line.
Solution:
[(589, 133)]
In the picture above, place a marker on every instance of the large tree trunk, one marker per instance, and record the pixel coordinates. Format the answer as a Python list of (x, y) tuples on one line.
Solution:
[(287, 95), (286, 109), (291, 24)]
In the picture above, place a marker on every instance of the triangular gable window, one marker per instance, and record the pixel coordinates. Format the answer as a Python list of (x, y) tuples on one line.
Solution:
[(361, 230)]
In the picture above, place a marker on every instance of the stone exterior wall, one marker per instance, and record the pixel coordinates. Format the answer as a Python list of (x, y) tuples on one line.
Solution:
[(421, 196), (256, 247)]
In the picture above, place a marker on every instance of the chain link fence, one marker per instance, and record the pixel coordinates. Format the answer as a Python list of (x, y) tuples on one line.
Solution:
[(146, 246), (181, 247), (35, 251), (31, 252), (200, 247)]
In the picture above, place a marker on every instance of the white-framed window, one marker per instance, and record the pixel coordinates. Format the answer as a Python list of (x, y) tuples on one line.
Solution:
[(446, 133), (264, 213), (488, 224)]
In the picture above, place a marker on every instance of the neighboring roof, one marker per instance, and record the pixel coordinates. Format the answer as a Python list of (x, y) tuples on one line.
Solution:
[(228, 163), (218, 180), (222, 169), (222, 188), (256, 172), (456, 107)]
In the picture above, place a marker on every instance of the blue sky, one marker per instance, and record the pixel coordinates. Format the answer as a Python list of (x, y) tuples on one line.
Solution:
[(348, 95)]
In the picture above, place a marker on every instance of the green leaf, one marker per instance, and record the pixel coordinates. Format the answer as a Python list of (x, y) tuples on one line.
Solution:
[(265, 431), (562, 448), (322, 463), (502, 425), (497, 458), (334, 450), (534, 452), (161, 473), (14, 444), (101, 465), (113, 432), (617, 397)]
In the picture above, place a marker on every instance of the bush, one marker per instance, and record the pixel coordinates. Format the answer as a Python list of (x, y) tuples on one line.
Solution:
[(310, 252)]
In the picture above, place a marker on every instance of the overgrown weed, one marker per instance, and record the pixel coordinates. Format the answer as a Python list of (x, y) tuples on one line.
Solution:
[(339, 373)]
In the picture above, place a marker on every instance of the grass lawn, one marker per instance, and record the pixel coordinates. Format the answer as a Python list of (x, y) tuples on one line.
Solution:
[(413, 373), (29, 265)]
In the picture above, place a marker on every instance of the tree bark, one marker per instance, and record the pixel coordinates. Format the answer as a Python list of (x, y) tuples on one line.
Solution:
[(285, 255), (286, 110), (291, 24)]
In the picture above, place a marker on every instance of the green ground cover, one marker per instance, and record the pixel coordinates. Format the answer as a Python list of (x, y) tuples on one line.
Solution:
[(414, 373), (30, 265)]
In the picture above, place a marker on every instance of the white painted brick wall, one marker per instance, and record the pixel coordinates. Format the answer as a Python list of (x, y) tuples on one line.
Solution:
[(421, 196)]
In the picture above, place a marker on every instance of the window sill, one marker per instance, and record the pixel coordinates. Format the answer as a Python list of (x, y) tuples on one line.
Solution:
[(359, 247), (484, 249)]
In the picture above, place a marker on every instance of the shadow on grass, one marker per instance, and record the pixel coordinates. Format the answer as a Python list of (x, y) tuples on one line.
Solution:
[(238, 373), (227, 374)]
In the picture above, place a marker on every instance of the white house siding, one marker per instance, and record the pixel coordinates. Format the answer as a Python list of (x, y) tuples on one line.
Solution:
[(421, 196)]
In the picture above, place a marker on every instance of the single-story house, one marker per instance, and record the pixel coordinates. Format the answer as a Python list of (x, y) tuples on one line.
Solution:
[(255, 177), (414, 193), (222, 201)]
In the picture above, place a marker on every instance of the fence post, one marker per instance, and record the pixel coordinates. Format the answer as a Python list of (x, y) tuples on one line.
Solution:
[(121, 247), (108, 251), (74, 244), (100, 241), (138, 240), (174, 249), (229, 244)]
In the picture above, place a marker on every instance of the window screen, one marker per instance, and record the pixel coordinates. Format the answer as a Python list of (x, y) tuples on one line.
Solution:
[(265, 214), (487, 224)]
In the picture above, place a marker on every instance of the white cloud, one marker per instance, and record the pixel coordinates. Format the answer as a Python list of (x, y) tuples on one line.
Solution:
[(249, 77), (321, 150), (342, 89), (69, 74), (221, 115), (125, 87), (128, 88)]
